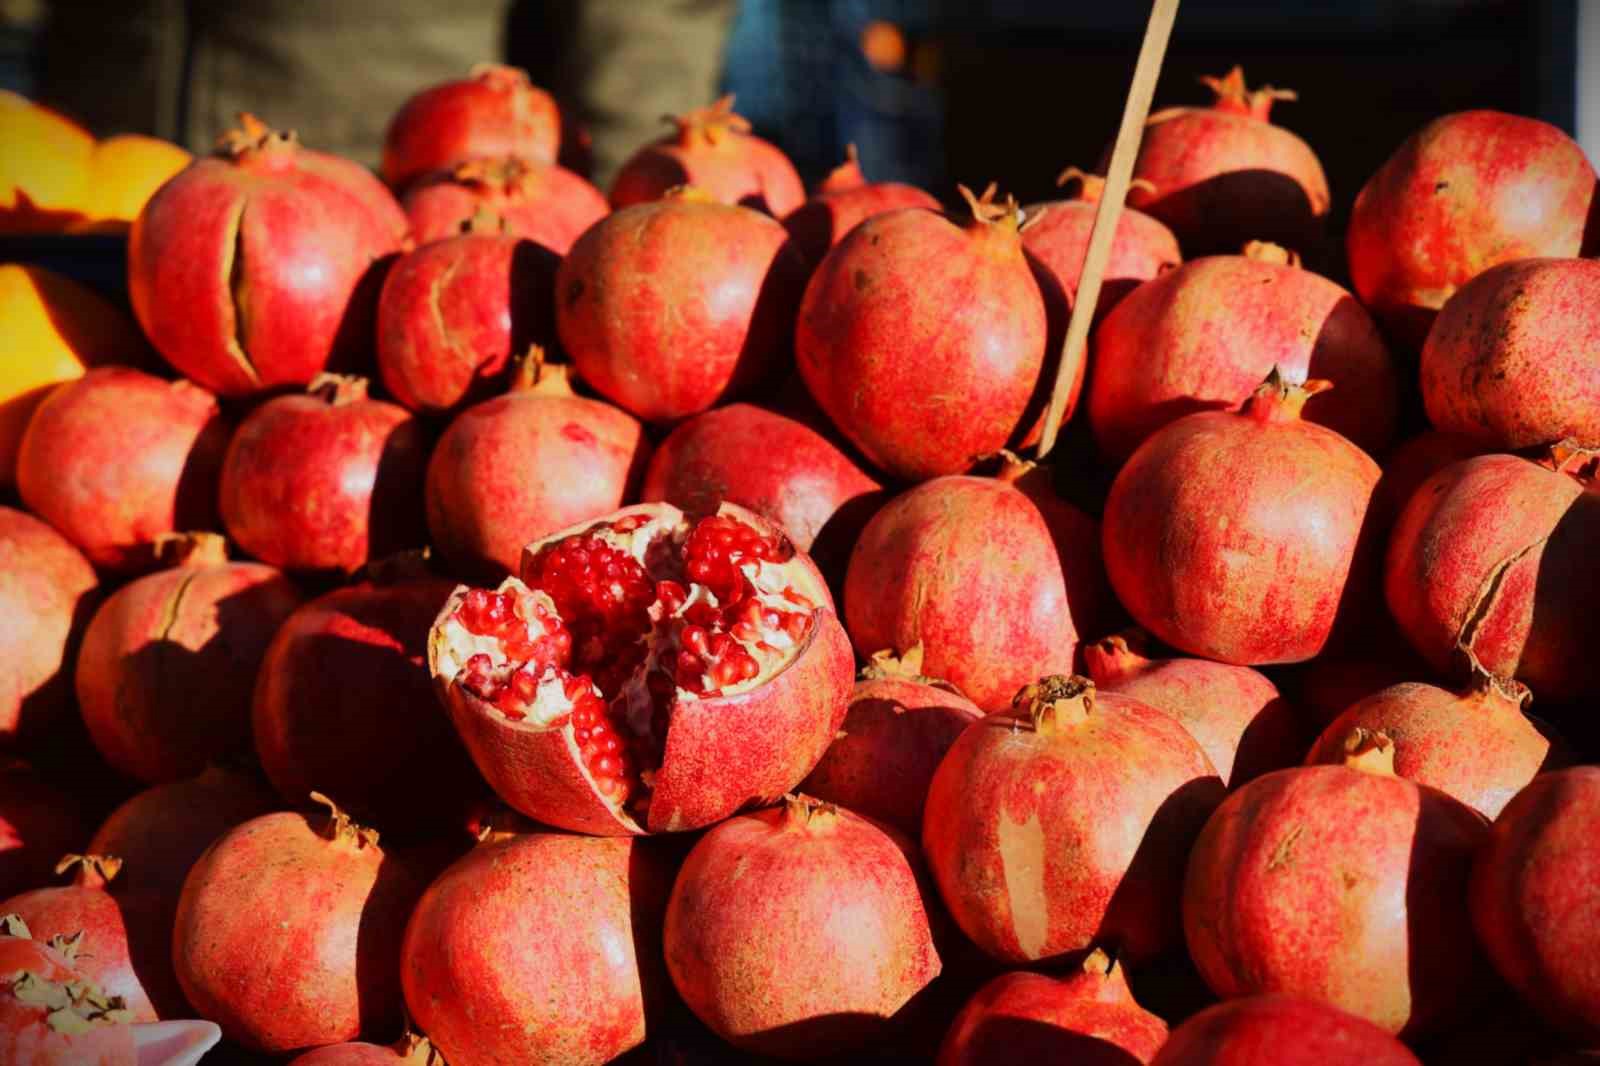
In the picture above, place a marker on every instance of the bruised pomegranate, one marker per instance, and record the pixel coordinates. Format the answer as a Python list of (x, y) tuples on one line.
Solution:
[(1064, 823), (926, 340), (39, 823), (651, 670), (556, 937), (540, 202), (1274, 1030), (1224, 174), (843, 200), (327, 480), (335, 974), (754, 940), (117, 458), (1346, 884), (51, 1016), (1233, 712), (525, 464), (169, 661), (1238, 536), (260, 265), (47, 589), (1535, 893), (495, 111), (1202, 337), (713, 149), (411, 1050)]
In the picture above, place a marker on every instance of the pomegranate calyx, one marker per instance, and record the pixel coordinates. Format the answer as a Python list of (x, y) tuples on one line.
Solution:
[(500, 76), (710, 124), (91, 870), (803, 812), (689, 194), (337, 390), (1485, 684), (197, 549), (1119, 655), (1235, 97), (532, 373), (498, 173), (340, 829), (417, 1050), (1268, 252), (845, 176), (1004, 215), (1056, 702), (255, 138), (1370, 751), (12, 925), (1575, 459), (486, 221), (1278, 399), (1099, 962)]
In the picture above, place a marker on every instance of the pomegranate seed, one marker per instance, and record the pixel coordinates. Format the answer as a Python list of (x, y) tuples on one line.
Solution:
[(630, 523)]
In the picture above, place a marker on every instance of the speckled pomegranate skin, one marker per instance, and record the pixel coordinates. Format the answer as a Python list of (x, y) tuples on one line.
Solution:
[(540, 202), (26, 1036), (47, 591), (495, 111), (713, 150), (1059, 238), (1273, 1030), (842, 202), (360, 1053)]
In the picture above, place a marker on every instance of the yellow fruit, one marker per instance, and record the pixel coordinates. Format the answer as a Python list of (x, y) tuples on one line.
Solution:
[(126, 172), (44, 167)]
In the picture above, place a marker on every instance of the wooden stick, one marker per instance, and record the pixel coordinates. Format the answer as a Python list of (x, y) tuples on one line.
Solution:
[(1156, 35)]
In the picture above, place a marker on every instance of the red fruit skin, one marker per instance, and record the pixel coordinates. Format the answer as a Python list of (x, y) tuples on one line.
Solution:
[(1203, 336), (713, 150), (169, 661), (671, 307), (1058, 237), (260, 266), (119, 457), (47, 591), (540, 202), (1466, 192), (26, 1037), (310, 484), (356, 1053), (288, 939), (1412, 462), (1513, 360), (1344, 885), (1495, 554), (754, 940), (521, 466), (823, 220), (39, 823), (577, 918), (1273, 1030), (495, 111), (1048, 837)]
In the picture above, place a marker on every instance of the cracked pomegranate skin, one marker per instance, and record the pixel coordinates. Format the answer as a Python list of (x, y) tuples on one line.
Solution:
[(47, 590), (541, 202), (1273, 1030), (496, 111)]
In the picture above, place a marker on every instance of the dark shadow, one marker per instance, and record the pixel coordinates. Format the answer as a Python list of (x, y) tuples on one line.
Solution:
[(1590, 246), (1557, 660), (400, 883), (354, 349), (1218, 215), (47, 717), (1026, 1041), (1171, 987), (1447, 971), (831, 548), (1277, 737), (767, 354), (25, 216), (196, 506), (395, 517), (1057, 313), (652, 867), (1364, 403), (533, 305)]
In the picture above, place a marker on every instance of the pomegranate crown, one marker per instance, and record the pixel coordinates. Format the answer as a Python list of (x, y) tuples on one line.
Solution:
[(1056, 702), (1091, 187), (1576, 460), (1484, 682), (846, 175), (1278, 399), (195, 549), (503, 174), (1369, 751), (1235, 97), (1119, 654), (711, 124), (252, 137), (884, 664), (1267, 252), (985, 210), (500, 76), (91, 869), (340, 829)]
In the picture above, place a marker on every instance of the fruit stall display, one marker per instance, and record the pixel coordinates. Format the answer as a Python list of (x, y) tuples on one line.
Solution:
[(464, 616)]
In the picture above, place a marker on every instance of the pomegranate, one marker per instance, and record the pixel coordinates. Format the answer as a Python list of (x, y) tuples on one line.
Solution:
[(994, 577), (670, 307), (1224, 174), (1511, 360), (327, 480), (38, 824), (47, 589), (411, 1050), (335, 976), (1535, 892), (117, 458), (1301, 881), (1064, 823), (843, 200), (1233, 712), (754, 940), (1495, 557), (899, 725), (169, 660), (260, 266), (1087, 1018), (1238, 536), (1202, 337), (651, 670), (1412, 462), (525, 464), (540, 202), (51, 1016), (712, 148), (495, 111), (931, 343), (556, 937), (1326, 686), (1274, 1030), (453, 314)]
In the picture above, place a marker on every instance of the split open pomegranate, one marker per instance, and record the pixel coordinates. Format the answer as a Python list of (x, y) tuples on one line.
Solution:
[(650, 671)]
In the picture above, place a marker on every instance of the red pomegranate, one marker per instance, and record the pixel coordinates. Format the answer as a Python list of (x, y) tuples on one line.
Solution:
[(713, 149), (47, 589), (1064, 823), (1535, 893), (996, 578), (927, 341), (1224, 174), (898, 728), (1273, 1030), (495, 111), (39, 823), (1235, 714), (1237, 536), (325, 480), (1346, 884), (1057, 233), (540, 202), (1513, 360), (1328, 685), (454, 313), (335, 974), (756, 945), (576, 918), (411, 1050), (525, 464), (1088, 1017), (1412, 462), (49, 1014), (651, 670), (843, 200), (260, 266), (671, 307), (169, 661), (117, 458), (1466, 192), (1495, 557), (1201, 338)]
